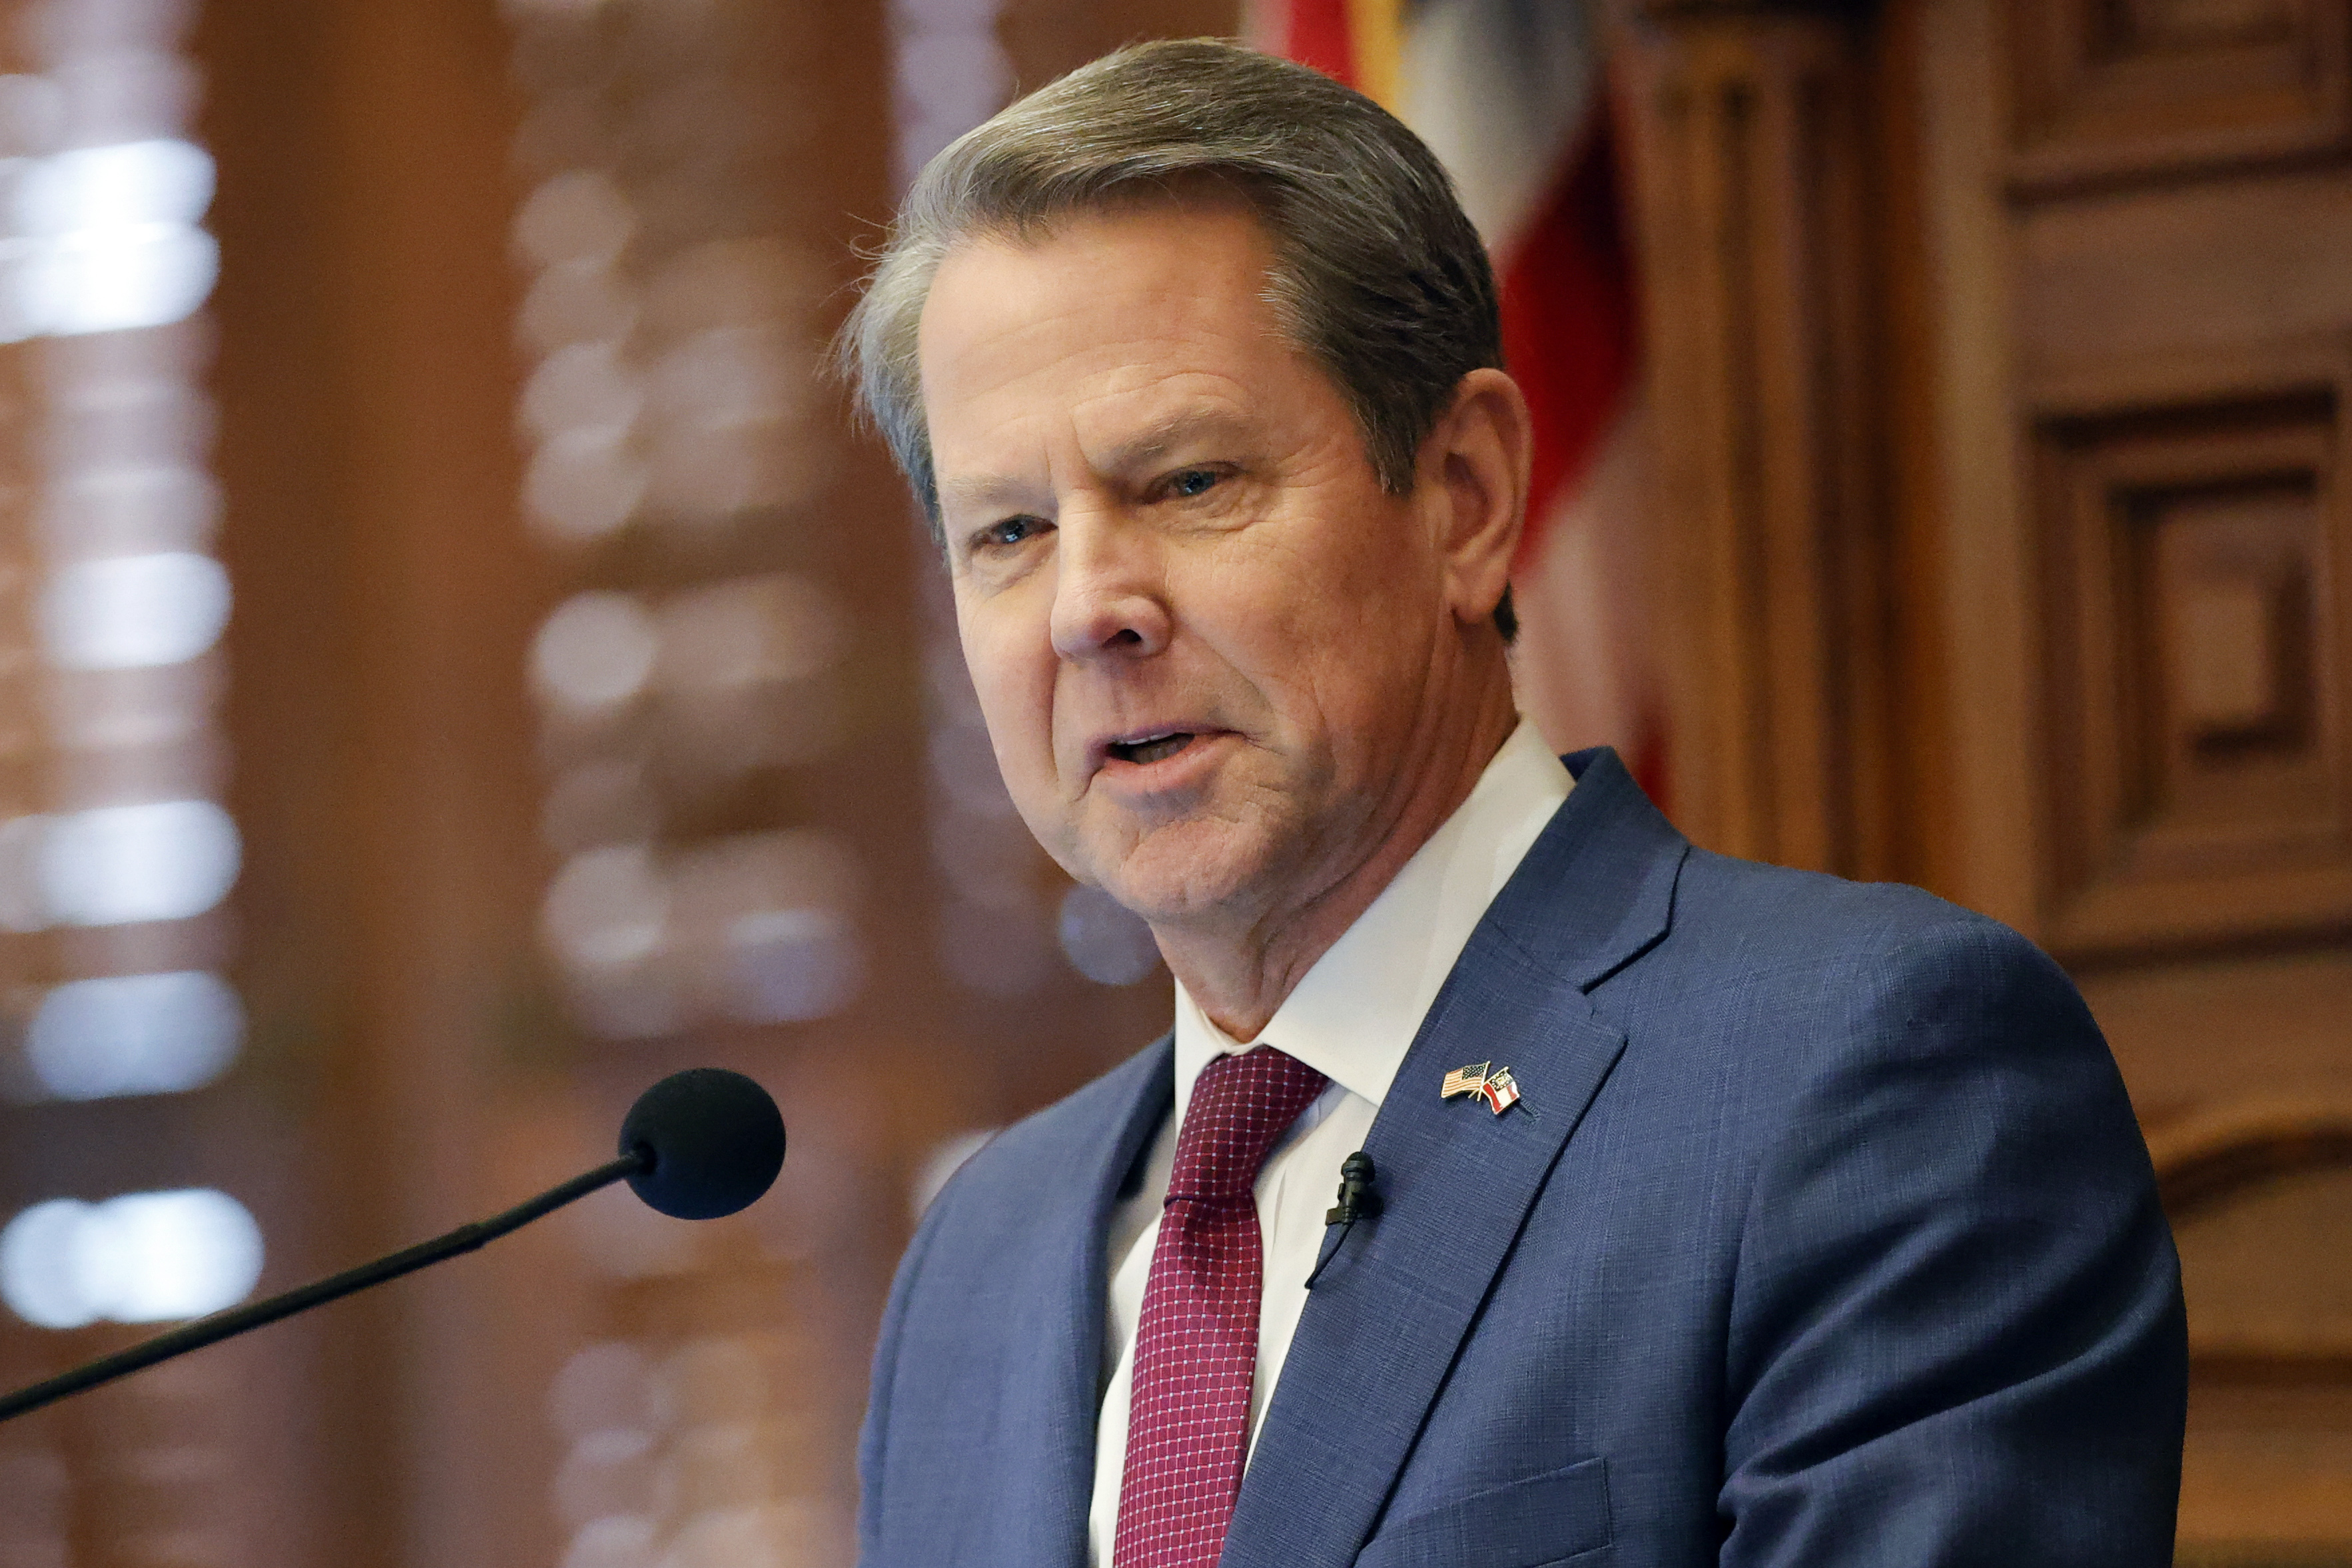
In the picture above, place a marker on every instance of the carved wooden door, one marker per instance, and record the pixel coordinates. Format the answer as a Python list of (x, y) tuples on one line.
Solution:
[(2139, 216), (2004, 352)]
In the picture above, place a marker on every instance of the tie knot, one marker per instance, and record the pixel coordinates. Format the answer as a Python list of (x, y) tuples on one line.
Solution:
[(1241, 1106)]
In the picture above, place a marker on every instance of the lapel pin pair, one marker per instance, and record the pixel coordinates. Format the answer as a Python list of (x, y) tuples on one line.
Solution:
[(1488, 1082)]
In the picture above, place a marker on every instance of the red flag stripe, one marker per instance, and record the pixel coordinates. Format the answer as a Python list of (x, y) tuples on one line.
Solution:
[(1570, 313), (1316, 35)]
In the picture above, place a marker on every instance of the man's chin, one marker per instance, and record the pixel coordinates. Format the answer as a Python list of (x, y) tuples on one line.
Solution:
[(1185, 879)]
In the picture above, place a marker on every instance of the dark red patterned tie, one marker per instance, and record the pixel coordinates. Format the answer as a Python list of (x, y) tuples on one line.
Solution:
[(1196, 1344)]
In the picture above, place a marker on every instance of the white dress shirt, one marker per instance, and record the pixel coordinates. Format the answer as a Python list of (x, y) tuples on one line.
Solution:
[(1352, 1018)]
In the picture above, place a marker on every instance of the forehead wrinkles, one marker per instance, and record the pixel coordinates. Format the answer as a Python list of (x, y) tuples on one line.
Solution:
[(1144, 415), (1104, 405)]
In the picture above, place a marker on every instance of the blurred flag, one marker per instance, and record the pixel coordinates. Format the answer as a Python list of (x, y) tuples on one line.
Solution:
[(1513, 97)]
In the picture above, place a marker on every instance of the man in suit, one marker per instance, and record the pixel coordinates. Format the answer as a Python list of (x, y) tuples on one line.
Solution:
[(1717, 1213)]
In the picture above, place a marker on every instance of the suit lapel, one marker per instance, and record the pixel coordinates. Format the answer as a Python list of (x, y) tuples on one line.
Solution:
[(1379, 1334), (1051, 1485)]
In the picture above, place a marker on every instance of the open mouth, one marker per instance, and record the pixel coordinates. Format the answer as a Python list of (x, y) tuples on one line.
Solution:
[(1151, 749)]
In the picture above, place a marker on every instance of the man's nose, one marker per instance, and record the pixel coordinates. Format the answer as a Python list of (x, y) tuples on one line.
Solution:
[(1110, 590)]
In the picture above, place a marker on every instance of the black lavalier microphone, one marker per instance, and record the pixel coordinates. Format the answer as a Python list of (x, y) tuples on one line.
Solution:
[(1356, 1175), (697, 1145), (1356, 1200)]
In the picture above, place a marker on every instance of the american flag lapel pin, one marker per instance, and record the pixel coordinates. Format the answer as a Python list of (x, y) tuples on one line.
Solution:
[(1488, 1082), (1470, 1080)]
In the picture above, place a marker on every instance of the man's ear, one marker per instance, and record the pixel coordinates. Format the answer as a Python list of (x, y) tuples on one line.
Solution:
[(1474, 470)]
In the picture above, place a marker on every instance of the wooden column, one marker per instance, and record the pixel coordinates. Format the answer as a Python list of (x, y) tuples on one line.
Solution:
[(366, 387), (1748, 129)]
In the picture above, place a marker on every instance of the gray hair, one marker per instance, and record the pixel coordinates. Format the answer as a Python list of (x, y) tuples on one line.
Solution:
[(1377, 273)]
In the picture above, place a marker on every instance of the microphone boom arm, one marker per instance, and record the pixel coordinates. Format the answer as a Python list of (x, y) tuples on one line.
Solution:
[(226, 1325)]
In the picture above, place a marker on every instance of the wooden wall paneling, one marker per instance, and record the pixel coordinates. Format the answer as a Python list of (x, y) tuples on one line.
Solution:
[(1970, 599), (2194, 528), (2122, 89), (2207, 1163), (2135, 334), (1749, 143), (2259, 1324), (2209, 291), (2257, 1194), (2204, 1034), (2207, 266), (2191, 518)]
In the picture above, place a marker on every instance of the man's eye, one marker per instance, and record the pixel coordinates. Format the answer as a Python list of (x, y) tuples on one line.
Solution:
[(1009, 530), (1192, 483)]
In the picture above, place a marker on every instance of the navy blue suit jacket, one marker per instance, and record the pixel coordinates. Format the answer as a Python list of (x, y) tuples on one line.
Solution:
[(1823, 1237)]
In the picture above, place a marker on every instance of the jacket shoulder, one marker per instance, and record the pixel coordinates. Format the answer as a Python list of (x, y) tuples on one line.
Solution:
[(1775, 974), (1743, 911)]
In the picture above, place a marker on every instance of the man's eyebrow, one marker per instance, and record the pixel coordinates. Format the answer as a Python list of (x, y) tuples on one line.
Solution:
[(1149, 446), (1156, 442)]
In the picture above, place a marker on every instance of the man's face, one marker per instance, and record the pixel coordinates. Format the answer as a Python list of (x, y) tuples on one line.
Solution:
[(1209, 646)]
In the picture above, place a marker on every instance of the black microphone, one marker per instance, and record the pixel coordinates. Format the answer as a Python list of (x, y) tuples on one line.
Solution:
[(710, 1142), (699, 1144), (1356, 1175), (1356, 1200)]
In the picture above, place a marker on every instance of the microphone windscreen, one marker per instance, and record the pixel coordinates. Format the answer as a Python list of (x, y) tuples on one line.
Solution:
[(715, 1139)]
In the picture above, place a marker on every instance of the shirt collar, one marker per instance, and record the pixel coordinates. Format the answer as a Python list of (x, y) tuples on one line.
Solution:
[(1354, 1014)]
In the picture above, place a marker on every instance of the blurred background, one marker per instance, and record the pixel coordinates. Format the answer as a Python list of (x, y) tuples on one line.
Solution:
[(459, 663)]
